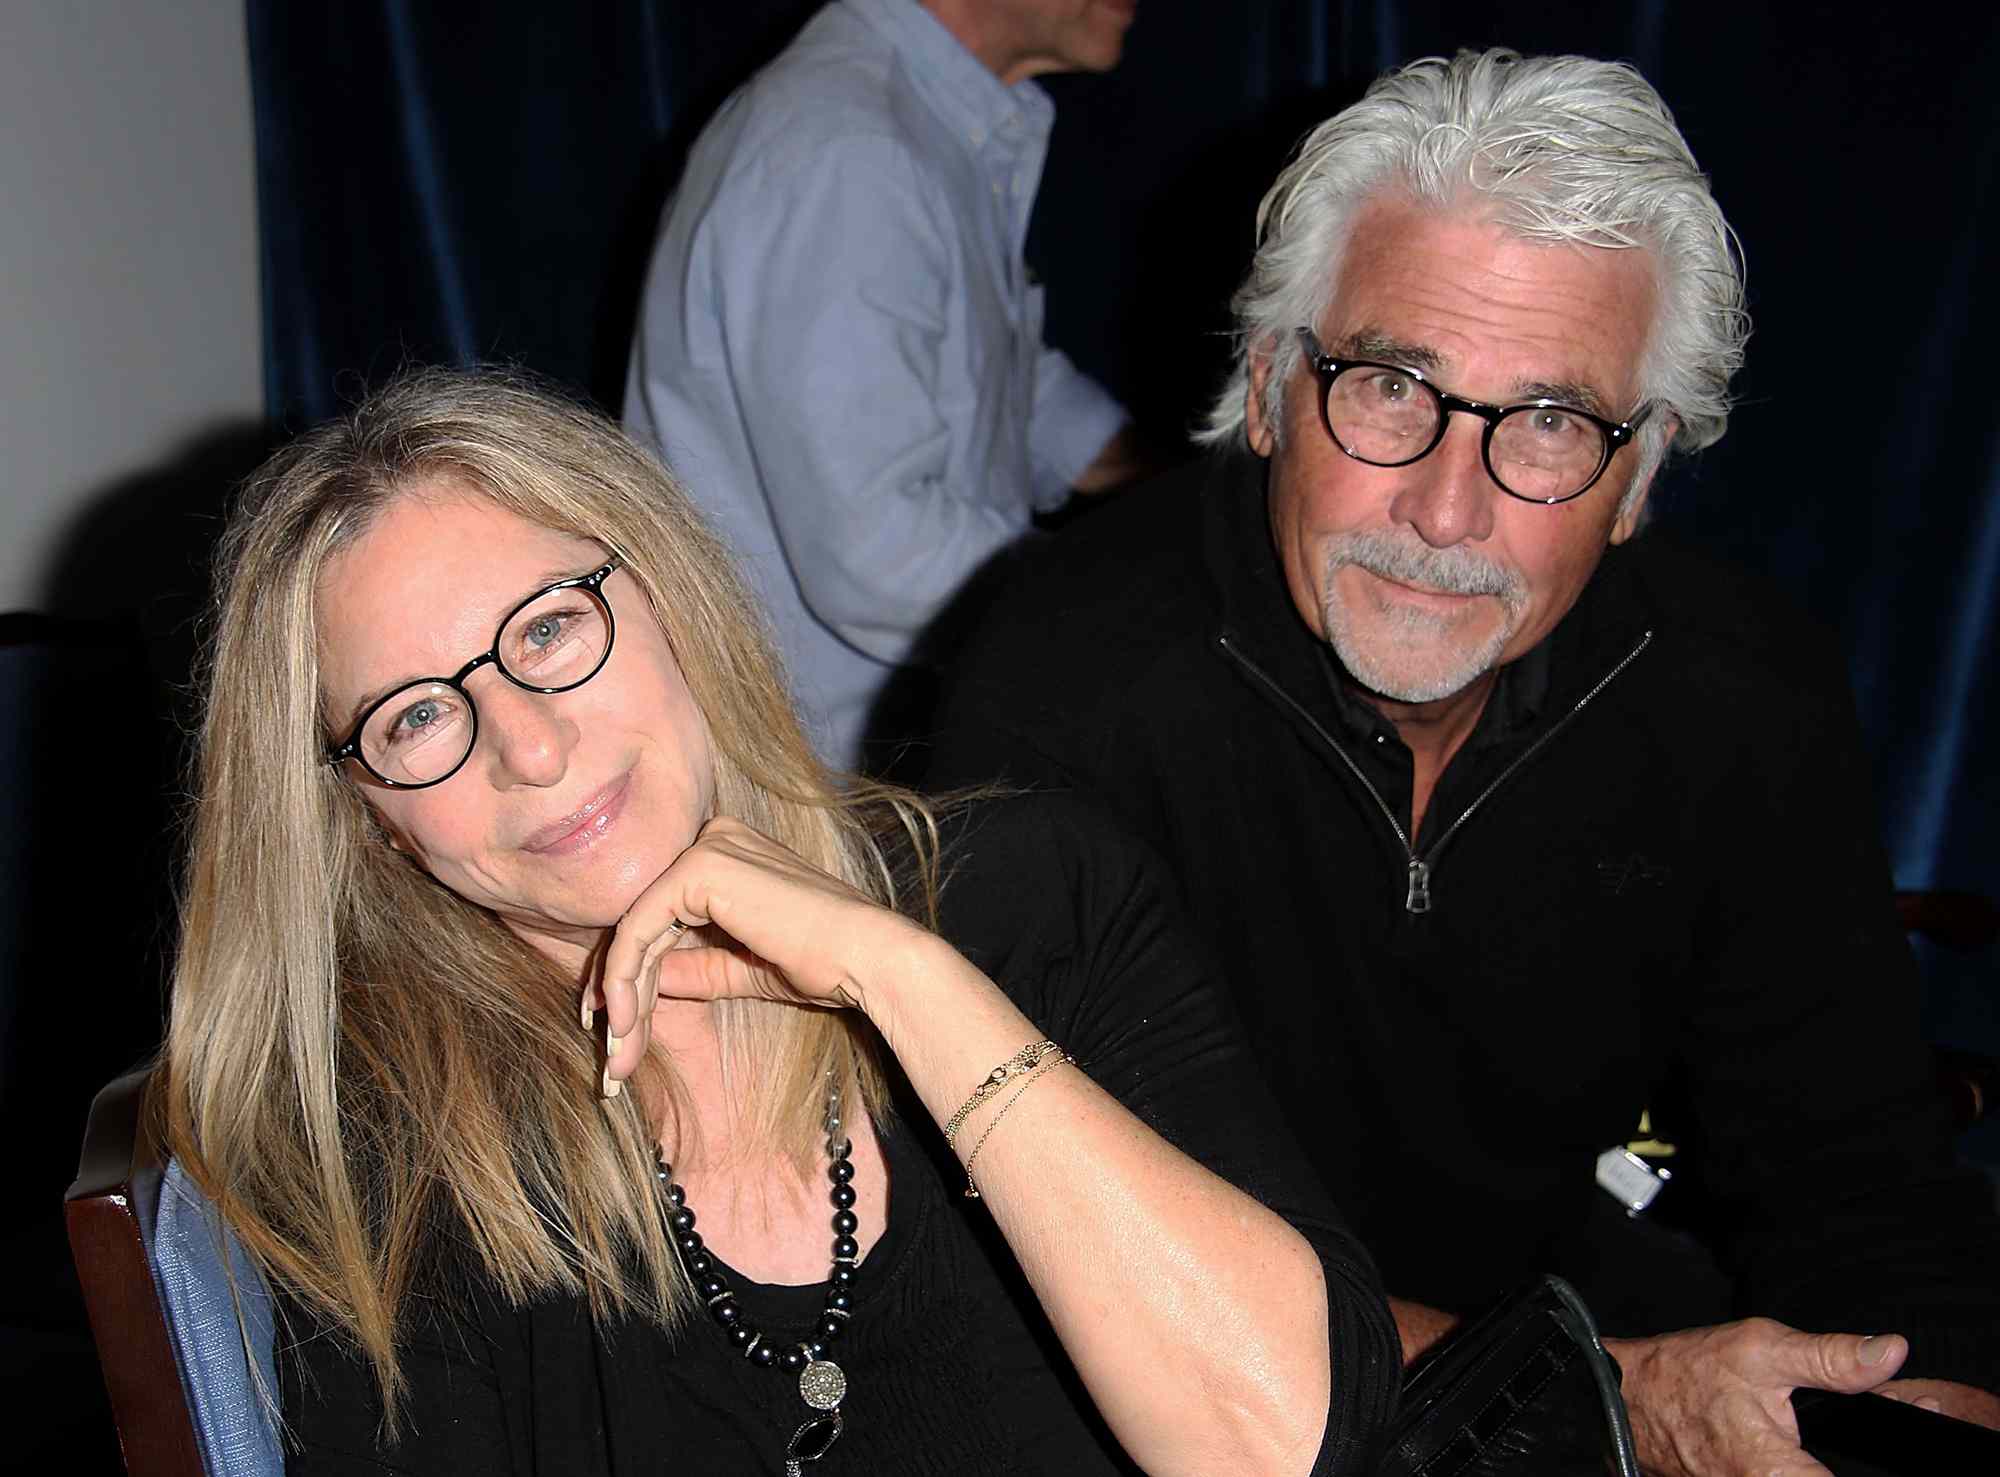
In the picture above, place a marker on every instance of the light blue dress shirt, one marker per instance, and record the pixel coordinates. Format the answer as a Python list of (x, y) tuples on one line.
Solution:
[(840, 349)]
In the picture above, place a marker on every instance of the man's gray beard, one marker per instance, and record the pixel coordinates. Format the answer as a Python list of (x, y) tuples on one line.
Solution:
[(1443, 668)]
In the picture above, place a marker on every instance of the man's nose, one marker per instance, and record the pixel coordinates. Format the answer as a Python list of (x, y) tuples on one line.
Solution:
[(1448, 496), (526, 735)]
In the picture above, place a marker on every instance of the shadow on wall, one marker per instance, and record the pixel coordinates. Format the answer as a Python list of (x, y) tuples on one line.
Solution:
[(93, 698)]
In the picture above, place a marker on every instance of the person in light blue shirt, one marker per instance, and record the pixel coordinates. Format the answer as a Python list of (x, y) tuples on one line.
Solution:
[(840, 347)]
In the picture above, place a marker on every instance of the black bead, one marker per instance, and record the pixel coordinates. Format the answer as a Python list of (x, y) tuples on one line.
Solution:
[(689, 1242), (827, 1329), (739, 1335), (844, 1222), (845, 1248), (663, 1169), (700, 1264), (815, 1350), (712, 1286), (842, 1196), (842, 1277), (840, 1171), (764, 1355), (792, 1361), (682, 1219), (838, 1152), (726, 1312), (676, 1196), (840, 1298)]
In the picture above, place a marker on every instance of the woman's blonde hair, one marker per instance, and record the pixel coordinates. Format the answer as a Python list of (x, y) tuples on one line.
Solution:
[(362, 1067)]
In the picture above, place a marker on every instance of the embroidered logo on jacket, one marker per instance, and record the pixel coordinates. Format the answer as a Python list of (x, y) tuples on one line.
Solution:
[(1619, 878)]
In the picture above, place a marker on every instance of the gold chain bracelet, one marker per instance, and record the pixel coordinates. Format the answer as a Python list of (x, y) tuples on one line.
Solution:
[(1027, 1059), (1048, 1061)]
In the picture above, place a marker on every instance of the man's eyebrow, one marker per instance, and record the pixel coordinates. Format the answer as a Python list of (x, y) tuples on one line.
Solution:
[(1569, 392), (554, 575), (1370, 343)]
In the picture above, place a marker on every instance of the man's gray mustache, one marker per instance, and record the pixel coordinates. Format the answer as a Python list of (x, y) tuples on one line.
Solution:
[(1455, 571)]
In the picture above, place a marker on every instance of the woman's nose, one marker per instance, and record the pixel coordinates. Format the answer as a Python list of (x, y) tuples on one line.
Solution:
[(526, 736)]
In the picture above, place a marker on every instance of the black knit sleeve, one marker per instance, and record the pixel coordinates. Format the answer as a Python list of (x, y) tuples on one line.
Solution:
[(1823, 1134), (1074, 920)]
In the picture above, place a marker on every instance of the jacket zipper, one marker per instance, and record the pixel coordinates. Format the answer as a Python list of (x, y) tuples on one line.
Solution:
[(1417, 899)]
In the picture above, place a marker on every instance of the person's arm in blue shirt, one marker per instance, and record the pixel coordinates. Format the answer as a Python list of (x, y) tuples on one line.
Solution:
[(835, 311)]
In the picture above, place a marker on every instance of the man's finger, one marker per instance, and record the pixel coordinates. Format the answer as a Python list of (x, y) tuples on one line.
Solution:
[(1846, 1362)]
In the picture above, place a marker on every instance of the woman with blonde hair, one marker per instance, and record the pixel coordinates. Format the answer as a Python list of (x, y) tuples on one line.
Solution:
[(521, 923)]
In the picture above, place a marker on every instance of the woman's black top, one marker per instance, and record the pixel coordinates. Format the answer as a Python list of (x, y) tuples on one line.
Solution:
[(951, 1366)]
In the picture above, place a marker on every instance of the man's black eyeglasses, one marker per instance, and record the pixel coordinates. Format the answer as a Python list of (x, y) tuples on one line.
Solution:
[(1542, 451)]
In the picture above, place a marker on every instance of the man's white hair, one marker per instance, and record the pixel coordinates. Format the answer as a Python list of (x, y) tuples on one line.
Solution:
[(1557, 149)]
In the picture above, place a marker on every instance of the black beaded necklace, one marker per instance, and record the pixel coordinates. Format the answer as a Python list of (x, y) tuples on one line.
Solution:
[(822, 1383)]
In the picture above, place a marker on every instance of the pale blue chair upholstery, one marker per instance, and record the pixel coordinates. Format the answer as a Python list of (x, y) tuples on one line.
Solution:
[(232, 1392), (189, 1399)]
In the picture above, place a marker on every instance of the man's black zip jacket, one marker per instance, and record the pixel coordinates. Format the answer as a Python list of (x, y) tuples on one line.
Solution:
[(1650, 880)]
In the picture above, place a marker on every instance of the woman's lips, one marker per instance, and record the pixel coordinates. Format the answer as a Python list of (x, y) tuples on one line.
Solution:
[(581, 829)]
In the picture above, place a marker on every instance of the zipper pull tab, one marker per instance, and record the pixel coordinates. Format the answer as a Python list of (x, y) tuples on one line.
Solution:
[(1418, 900)]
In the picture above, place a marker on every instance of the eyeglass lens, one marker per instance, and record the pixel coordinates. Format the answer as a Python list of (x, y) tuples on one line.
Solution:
[(1388, 417), (556, 641)]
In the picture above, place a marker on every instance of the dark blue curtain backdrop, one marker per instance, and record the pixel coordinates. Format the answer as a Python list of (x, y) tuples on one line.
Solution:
[(455, 182)]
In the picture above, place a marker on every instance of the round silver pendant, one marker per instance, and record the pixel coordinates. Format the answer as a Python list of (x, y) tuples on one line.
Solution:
[(822, 1385)]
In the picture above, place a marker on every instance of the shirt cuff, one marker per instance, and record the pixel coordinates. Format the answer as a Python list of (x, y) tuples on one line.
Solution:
[(1074, 417)]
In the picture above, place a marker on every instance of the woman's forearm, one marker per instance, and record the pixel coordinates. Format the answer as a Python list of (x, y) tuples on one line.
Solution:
[(1196, 1317)]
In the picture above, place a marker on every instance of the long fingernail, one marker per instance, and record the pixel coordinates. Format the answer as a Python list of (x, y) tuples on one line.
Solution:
[(612, 1043), (589, 1012), (611, 1085), (1931, 1402), (1875, 1348)]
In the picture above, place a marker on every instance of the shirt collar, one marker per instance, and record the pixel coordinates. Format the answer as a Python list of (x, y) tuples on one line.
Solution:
[(960, 90)]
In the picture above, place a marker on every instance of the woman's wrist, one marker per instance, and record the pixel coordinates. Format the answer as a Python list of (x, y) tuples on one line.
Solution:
[(913, 969), (944, 1021)]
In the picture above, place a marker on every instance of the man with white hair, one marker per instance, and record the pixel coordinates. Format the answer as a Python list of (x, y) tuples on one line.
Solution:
[(1505, 827)]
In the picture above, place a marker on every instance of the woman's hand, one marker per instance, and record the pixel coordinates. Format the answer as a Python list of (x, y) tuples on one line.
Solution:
[(787, 931)]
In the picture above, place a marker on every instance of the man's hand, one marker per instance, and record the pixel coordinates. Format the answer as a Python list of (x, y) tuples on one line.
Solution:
[(1124, 459), (1419, 1326), (1961, 1402), (1714, 1401)]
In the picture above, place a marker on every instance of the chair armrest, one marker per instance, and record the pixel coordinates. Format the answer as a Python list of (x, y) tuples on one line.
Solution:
[(1970, 1081)]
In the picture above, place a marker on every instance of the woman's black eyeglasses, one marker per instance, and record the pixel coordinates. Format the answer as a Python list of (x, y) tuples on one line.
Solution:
[(422, 733)]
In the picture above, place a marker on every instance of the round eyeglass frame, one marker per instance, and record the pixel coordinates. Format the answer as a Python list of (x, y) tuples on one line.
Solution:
[(593, 583), (1616, 434)]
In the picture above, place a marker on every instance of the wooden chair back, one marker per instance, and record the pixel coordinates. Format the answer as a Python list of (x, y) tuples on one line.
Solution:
[(117, 1186)]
